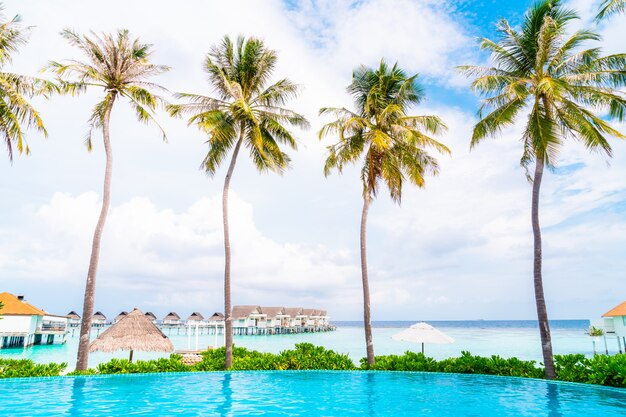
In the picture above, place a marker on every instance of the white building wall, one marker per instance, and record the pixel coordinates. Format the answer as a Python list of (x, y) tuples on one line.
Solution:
[(18, 324), (620, 326)]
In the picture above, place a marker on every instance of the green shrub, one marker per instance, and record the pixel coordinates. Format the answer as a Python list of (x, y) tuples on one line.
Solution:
[(465, 364), (308, 356), (600, 369), (304, 356), (19, 368), (123, 366)]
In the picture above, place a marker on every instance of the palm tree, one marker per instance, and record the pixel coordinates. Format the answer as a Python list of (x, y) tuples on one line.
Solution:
[(121, 67), (15, 110), (611, 7), (541, 72), (246, 111), (390, 143)]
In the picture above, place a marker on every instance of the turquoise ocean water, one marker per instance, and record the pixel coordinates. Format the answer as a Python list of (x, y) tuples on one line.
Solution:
[(504, 338)]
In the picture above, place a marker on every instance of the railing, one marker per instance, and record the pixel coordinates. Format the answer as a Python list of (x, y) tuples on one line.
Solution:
[(52, 327)]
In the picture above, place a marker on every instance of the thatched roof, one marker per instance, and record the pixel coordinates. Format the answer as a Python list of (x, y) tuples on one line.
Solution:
[(242, 312), (195, 316), (216, 317), (172, 316), (272, 312), (309, 312), (150, 315), (121, 316), (133, 332), (321, 313), (73, 315), (99, 316), (292, 311)]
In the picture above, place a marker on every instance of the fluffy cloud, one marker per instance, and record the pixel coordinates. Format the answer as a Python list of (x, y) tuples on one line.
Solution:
[(175, 259)]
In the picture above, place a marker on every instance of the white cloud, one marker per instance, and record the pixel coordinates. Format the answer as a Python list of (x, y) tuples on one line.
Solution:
[(168, 255)]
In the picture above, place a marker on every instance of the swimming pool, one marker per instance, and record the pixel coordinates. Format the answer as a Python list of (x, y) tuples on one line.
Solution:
[(311, 393)]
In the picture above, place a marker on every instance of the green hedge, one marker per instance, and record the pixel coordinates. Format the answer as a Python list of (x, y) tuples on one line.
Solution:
[(18, 368), (304, 356), (600, 369)]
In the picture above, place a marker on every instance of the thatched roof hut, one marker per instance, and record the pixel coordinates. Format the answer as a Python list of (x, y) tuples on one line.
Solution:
[(151, 316), (133, 332), (216, 317), (195, 316), (243, 312), (120, 316), (73, 315), (292, 311), (172, 316), (98, 316)]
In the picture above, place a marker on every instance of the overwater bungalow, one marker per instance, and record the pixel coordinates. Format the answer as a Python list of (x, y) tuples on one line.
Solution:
[(172, 319), (613, 323), (98, 319), (252, 319), (275, 319), (196, 319), (216, 323), (320, 319), (73, 319), (151, 316), (24, 325), (120, 316), (246, 318), (294, 316), (216, 317), (307, 316)]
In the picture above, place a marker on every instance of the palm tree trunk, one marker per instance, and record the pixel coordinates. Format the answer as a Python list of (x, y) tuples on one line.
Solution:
[(542, 312), (367, 322), (82, 361), (228, 323)]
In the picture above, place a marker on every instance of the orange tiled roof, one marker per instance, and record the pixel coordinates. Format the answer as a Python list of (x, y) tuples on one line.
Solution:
[(620, 310), (15, 307)]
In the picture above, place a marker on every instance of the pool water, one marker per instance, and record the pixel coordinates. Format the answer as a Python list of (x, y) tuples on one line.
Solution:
[(310, 393)]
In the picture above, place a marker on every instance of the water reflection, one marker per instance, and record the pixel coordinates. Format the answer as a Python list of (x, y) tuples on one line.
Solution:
[(77, 399), (370, 393), (554, 405), (225, 408)]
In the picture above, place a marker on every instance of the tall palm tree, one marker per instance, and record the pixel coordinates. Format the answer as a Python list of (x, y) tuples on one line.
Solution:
[(611, 7), (540, 72), (15, 110), (390, 143), (121, 67), (245, 111)]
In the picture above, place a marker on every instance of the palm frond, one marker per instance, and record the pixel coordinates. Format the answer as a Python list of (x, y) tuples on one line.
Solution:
[(379, 131), (239, 72), (611, 7)]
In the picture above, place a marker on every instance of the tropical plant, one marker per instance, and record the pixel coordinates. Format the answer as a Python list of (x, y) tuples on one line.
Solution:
[(121, 67), (595, 332), (16, 112), (22, 368), (540, 71), (611, 7), (390, 143), (246, 111)]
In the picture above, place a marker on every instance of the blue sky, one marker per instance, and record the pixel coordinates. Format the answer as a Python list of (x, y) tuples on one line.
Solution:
[(459, 249)]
